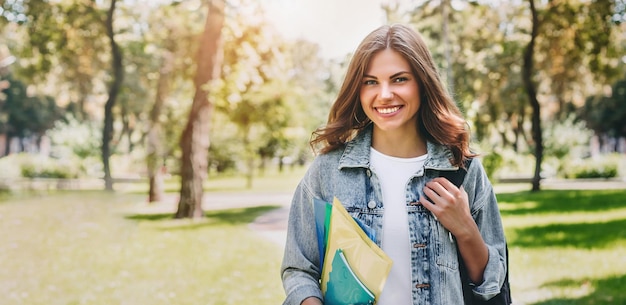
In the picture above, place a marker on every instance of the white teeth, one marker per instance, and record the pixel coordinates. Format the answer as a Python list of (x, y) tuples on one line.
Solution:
[(388, 110)]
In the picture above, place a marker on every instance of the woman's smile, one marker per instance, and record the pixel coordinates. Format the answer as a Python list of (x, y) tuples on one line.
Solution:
[(387, 110)]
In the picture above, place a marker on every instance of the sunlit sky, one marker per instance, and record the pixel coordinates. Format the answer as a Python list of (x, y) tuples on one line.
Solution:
[(336, 25)]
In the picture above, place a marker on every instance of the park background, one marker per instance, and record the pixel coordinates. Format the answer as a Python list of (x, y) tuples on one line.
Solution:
[(149, 148)]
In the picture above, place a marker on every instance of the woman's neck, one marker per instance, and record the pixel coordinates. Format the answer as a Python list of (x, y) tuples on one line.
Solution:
[(399, 144)]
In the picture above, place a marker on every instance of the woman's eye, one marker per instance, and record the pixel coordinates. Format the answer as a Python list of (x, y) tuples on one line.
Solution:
[(400, 79), (369, 82)]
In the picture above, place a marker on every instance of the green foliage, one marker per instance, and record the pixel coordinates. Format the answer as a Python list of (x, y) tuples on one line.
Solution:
[(566, 138), (26, 114), (73, 138), (46, 169), (276, 90), (604, 167), (267, 91), (486, 41), (564, 142), (28, 165), (12, 166), (604, 171), (492, 162), (606, 114), (221, 158), (504, 162)]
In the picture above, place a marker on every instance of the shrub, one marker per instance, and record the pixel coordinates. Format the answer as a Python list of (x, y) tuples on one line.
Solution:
[(492, 162), (44, 167), (603, 167)]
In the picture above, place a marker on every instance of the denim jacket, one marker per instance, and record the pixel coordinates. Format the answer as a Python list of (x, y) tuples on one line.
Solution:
[(346, 174)]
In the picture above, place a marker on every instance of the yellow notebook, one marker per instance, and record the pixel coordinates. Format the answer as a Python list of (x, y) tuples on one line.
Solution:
[(368, 261)]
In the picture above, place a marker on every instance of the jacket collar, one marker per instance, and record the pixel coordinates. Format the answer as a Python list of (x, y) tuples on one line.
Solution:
[(357, 153)]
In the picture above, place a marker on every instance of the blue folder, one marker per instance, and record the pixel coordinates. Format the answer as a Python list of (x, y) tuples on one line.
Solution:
[(323, 211)]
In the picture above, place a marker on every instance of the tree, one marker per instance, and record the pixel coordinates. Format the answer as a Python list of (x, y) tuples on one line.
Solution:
[(575, 44), (61, 45), (114, 90), (618, 96), (154, 144), (254, 91), (195, 138), (173, 39), (25, 116), (531, 91), (605, 115)]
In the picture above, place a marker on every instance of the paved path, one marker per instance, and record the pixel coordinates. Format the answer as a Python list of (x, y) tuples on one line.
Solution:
[(271, 225)]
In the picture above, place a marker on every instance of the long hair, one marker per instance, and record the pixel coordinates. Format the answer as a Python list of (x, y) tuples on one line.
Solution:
[(439, 118)]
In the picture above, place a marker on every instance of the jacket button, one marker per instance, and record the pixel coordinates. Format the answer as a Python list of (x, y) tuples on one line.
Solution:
[(368, 172), (371, 204)]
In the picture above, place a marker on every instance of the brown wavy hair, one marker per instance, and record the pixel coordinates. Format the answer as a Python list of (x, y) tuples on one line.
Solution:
[(439, 118)]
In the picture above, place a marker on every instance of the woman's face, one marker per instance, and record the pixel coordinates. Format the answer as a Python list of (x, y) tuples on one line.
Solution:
[(389, 93)]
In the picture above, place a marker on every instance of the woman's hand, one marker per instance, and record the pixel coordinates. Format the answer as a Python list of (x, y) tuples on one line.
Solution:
[(450, 206)]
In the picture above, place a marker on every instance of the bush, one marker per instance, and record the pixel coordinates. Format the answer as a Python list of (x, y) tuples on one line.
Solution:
[(12, 166), (605, 167), (492, 163), (605, 172), (27, 165), (70, 137), (43, 167)]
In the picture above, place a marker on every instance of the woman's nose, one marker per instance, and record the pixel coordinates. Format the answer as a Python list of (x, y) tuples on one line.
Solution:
[(386, 92)]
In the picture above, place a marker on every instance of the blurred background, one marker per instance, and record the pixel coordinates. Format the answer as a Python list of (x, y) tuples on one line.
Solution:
[(164, 104), (282, 63)]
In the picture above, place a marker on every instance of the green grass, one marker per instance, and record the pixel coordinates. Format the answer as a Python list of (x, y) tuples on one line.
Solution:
[(566, 247), (85, 248)]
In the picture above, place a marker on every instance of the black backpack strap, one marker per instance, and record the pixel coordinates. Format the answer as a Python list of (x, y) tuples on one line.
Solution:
[(457, 176)]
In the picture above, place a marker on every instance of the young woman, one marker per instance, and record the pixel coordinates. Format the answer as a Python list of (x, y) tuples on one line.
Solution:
[(391, 133)]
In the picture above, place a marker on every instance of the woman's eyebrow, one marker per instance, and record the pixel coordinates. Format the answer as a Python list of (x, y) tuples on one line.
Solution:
[(392, 76)]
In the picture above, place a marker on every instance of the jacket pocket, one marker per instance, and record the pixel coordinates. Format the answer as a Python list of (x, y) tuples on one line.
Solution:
[(446, 254)]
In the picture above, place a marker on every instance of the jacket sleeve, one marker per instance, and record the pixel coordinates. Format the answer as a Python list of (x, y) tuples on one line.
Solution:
[(485, 211), (300, 271)]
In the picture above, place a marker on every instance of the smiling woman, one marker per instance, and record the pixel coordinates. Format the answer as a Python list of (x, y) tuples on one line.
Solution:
[(392, 135)]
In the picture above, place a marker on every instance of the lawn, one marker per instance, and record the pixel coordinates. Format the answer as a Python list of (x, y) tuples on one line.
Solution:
[(92, 247), (85, 248), (567, 247)]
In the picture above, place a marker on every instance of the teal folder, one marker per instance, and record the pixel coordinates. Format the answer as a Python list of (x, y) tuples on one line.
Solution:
[(344, 287)]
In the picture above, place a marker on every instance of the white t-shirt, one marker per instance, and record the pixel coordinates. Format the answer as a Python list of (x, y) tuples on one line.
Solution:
[(393, 174)]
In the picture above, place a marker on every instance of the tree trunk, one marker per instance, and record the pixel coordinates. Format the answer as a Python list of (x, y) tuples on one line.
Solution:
[(154, 164), (195, 138), (154, 149), (114, 89), (249, 155), (532, 96)]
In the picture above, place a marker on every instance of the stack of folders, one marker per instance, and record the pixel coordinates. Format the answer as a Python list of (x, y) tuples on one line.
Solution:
[(354, 268)]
